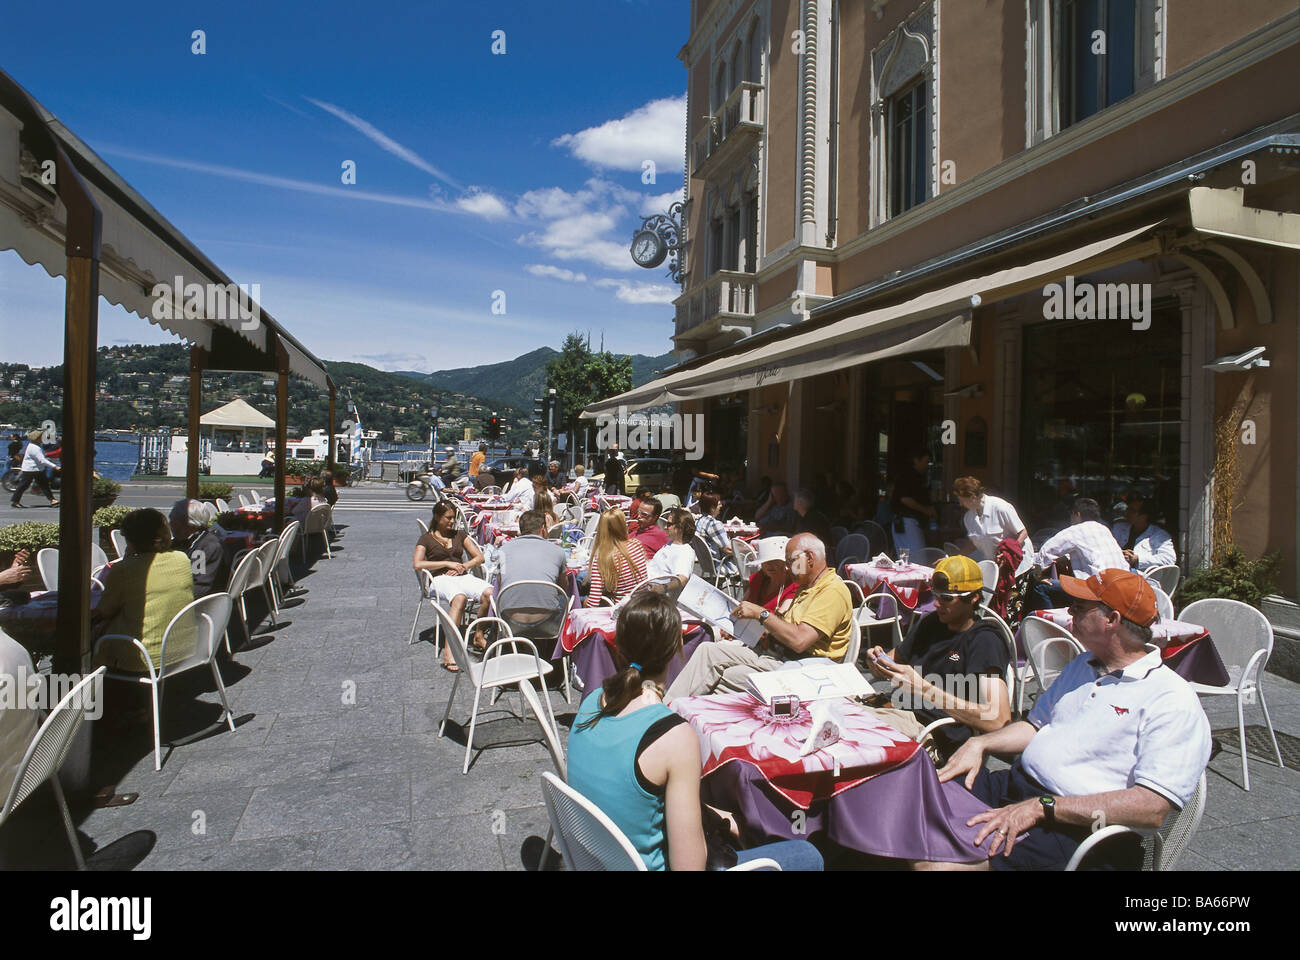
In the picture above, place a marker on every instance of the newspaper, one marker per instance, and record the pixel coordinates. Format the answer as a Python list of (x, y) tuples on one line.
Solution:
[(813, 679), (708, 603)]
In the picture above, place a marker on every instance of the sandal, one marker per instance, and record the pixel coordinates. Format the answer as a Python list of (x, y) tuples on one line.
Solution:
[(450, 667)]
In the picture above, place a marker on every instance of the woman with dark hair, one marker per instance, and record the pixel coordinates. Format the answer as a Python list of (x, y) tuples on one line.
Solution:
[(640, 762), (714, 533), (989, 516), (441, 552), (313, 495), (142, 593)]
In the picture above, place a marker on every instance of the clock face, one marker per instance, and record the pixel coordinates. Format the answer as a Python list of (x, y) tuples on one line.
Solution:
[(648, 249)]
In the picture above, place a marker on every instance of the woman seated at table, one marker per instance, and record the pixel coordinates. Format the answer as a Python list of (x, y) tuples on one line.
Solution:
[(952, 664), (708, 526), (640, 763), (313, 495), (987, 515), (617, 563), (546, 503), (771, 585), (142, 593), (677, 559), (441, 552)]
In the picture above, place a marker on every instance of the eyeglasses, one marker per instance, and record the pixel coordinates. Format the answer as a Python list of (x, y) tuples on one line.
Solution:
[(1079, 608), (948, 597)]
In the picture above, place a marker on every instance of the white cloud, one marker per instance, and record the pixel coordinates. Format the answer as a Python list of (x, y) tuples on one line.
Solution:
[(383, 141), (655, 131), (557, 273), (641, 293), (484, 204), (659, 204)]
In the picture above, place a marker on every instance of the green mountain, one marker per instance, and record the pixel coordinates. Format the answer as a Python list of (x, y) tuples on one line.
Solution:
[(519, 380)]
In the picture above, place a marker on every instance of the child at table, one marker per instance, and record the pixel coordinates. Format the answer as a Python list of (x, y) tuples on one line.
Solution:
[(640, 763)]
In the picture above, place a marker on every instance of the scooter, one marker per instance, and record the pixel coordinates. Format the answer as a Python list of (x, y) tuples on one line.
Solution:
[(420, 487)]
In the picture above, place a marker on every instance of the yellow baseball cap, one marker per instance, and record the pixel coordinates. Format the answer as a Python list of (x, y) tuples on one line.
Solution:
[(957, 575)]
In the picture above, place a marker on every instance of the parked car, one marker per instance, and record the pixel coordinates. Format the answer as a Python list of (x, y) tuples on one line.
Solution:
[(652, 472)]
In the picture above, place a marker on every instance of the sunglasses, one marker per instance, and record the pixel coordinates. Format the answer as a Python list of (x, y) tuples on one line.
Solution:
[(948, 597)]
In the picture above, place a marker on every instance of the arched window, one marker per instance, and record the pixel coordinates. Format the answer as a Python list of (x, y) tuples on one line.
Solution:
[(720, 86), (754, 62)]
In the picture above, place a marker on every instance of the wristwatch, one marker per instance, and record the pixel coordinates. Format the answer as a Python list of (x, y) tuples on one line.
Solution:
[(1049, 809), (762, 617)]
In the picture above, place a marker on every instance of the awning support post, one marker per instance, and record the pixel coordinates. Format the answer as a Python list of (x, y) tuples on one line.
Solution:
[(281, 429), (198, 361)]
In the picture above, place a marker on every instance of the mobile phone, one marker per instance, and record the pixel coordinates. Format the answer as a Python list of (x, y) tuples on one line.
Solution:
[(882, 658)]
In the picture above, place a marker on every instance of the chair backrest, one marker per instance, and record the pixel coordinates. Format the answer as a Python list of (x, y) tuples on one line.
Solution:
[(1173, 837), (205, 620), (705, 568), (588, 839), (49, 748), (555, 533), (244, 500), (853, 545), (453, 637), (241, 578), (97, 556), (256, 495), (1166, 578), (855, 641), (424, 527), (481, 570), (222, 506), (989, 570), (491, 488), (989, 614), (317, 519), (1164, 606), (928, 556), (856, 596), (837, 534), (1050, 648), (533, 598), (746, 557), (873, 613), (877, 539), (47, 562), (287, 537), (1242, 635), (592, 521), (119, 542)]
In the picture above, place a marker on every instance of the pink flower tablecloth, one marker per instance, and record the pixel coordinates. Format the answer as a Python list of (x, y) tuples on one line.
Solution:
[(907, 582), (738, 728)]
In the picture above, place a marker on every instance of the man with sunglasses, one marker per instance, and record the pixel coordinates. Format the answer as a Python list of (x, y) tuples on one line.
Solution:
[(952, 664), (652, 536), (819, 623), (1118, 738)]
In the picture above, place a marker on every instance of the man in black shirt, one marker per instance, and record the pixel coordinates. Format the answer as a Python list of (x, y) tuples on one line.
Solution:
[(615, 472), (911, 504), (952, 664), (809, 519)]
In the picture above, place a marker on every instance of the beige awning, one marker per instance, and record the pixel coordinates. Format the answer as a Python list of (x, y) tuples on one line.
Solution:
[(236, 414), (933, 320)]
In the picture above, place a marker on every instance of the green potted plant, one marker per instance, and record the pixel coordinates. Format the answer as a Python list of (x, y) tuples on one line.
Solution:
[(31, 536), (103, 491), (212, 490), (1233, 577), (297, 471)]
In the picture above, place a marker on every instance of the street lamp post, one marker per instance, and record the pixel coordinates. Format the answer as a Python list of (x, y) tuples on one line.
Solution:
[(433, 434), (550, 422)]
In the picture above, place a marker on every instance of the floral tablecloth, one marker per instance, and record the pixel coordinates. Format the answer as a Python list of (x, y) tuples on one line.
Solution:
[(908, 582), (738, 728)]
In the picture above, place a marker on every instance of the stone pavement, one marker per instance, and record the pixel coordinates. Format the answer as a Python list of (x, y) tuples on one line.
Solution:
[(336, 762)]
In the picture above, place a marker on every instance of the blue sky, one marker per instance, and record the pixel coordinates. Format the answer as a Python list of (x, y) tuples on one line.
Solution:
[(475, 172)]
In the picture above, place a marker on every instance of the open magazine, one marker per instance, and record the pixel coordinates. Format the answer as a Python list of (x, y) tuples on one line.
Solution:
[(708, 603), (813, 679)]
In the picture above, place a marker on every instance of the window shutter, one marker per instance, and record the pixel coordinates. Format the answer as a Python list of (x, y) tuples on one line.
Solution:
[(1148, 42)]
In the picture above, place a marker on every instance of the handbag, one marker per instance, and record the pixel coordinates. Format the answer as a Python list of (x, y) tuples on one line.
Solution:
[(718, 841)]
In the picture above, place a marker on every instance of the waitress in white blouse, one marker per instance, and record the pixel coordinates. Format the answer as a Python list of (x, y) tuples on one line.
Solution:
[(988, 515)]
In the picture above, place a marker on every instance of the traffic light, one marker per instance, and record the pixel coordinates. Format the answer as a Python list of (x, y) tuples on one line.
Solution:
[(494, 427), (540, 407)]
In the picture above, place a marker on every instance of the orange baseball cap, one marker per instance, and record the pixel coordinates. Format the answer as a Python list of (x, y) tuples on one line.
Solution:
[(1125, 592)]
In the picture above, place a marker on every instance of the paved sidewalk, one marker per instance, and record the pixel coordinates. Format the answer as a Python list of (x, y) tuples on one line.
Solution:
[(336, 763)]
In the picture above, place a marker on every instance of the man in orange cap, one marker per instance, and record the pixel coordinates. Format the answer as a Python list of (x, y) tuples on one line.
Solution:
[(1118, 738)]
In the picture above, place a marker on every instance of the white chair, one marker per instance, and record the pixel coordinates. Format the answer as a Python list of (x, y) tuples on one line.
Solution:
[(424, 527), (318, 521), (257, 496), (871, 614), (1162, 849), (265, 571), (928, 556), (556, 532), (98, 558), (1164, 606), (855, 642), (592, 522), (1166, 578), (1244, 638), (1017, 673), (746, 558), (1050, 648), (553, 616), (706, 567), (499, 669), (222, 505), (989, 570), (47, 751), (119, 542), (207, 617), (856, 596), (246, 566), (245, 500), (282, 567), (47, 562), (424, 580), (590, 840)]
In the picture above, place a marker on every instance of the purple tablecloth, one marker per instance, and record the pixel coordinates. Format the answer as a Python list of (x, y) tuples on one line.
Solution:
[(594, 662), (905, 814)]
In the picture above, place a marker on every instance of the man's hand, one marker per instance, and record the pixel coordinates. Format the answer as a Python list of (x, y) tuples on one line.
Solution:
[(902, 676), (746, 610), (1007, 823), (968, 760), (877, 669), (1130, 557)]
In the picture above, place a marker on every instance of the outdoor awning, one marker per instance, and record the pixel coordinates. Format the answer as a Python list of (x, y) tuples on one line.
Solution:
[(140, 248), (933, 320), (235, 414)]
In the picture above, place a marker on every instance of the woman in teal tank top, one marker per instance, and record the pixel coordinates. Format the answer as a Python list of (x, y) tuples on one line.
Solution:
[(640, 763)]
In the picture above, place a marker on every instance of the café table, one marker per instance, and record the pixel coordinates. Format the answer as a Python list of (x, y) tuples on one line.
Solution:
[(743, 531), (874, 790), (1186, 648), (589, 637), (908, 582), (33, 623)]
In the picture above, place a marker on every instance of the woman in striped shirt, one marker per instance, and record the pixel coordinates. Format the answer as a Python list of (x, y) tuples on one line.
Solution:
[(617, 563)]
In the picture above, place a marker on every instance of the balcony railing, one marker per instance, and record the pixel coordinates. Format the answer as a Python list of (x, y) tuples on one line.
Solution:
[(739, 117), (727, 295)]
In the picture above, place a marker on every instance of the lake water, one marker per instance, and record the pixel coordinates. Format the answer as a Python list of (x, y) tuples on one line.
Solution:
[(116, 459)]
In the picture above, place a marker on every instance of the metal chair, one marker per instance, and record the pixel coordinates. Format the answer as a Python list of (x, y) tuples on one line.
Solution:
[(424, 527), (1166, 577), (871, 614), (119, 542), (256, 495), (989, 570), (1244, 638), (222, 505), (499, 669), (1017, 672), (47, 751), (928, 556), (98, 558), (207, 617), (746, 558), (1164, 606), (705, 566), (246, 565), (590, 840), (278, 570), (318, 521), (877, 538), (509, 605), (47, 562), (854, 545), (856, 596), (1161, 850), (1050, 648), (837, 534)]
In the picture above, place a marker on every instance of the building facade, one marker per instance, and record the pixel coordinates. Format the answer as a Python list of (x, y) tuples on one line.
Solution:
[(1013, 233)]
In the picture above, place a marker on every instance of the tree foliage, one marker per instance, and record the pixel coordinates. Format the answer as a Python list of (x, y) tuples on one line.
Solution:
[(580, 377)]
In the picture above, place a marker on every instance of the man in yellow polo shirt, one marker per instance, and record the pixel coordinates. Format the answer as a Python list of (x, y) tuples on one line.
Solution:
[(819, 623)]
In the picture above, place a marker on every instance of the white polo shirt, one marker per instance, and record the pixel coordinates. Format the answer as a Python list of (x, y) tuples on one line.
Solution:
[(673, 560), (1100, 731), (996, 518), (1153, 546)]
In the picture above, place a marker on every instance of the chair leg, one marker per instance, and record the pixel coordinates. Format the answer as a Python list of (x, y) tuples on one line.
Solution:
[(469, 739), (415, 622), (546, 851), (67, 820), (450, 700), (225, 700), (564, 664), (1241, 734), (157, 728), (1268, 721), (328, 552), (270, 606)]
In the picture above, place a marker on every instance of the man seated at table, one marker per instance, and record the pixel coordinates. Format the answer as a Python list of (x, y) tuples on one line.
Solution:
[(777, 514), (518, 482), (484, 478), (1086, 543), (524, 495), (819, 623), (553, 477), (643, 494), (808, 519), (1117, 738), (952, 664), (1143, 544), (532, 611), (192, 536), (652, 536)]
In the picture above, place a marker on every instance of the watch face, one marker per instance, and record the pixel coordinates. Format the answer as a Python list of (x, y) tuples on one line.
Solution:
[(648, 249)]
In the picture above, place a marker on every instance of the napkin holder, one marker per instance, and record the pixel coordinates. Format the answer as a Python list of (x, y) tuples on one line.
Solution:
[(827, 721), (882, 561)]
